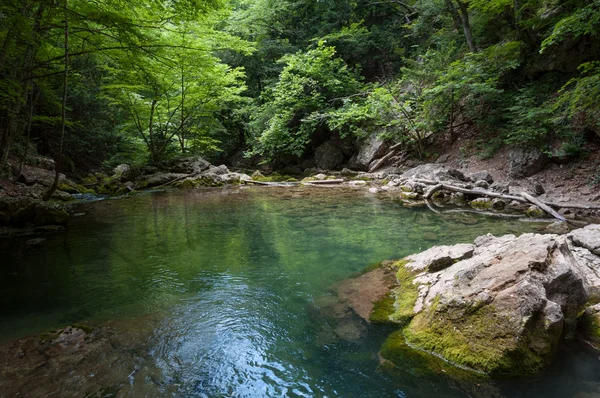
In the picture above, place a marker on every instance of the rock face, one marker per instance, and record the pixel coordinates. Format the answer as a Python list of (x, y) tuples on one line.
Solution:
[(526, 162), (22, 212), (497, 306), (329, 156), (371, 149)]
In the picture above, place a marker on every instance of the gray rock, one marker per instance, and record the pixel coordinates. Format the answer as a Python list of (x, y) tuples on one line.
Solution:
[(257, 174), (191, 165), (500, 187), (233, 178), (439, 257), (535, 212), (481, 203), (348, 173), (481, 184), (157, 179), (558, 227), (481, 175), (329, 156), (443, 158), (372, 148), (436, 172), (507, 297), (123, 172), (498, 204), (218, 170), (320, 176), (526, 162), (588, 238)]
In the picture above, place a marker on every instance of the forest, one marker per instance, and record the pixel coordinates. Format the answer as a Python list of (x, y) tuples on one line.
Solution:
[(94, 84)]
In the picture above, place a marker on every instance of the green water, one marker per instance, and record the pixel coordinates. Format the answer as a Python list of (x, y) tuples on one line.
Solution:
[(227, 287)]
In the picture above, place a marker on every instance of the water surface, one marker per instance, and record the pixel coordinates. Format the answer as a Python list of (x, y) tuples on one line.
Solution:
[(221, 293)]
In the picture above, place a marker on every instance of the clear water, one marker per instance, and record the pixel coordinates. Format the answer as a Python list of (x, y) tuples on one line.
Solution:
[(223, 293)]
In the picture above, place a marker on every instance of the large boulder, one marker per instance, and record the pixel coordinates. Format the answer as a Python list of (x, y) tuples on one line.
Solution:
[(525, 162), (498, 306), (191, 165), (329, 156), (371, 149)]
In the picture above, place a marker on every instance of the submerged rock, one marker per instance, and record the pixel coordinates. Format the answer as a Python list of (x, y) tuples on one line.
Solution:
[(498, 306)]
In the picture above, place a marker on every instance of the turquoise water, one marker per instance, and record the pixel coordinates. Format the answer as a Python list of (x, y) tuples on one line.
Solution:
[(226, 291)]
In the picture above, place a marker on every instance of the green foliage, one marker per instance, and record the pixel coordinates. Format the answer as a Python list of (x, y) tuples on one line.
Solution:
[(312, 82), (582, 21)]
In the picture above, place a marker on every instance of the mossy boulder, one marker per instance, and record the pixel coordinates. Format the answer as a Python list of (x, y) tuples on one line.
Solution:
[(497, 307), (535, 212), (481, 203)]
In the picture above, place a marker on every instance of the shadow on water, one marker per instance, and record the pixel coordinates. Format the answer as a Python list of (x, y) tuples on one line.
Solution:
[(226, 293)]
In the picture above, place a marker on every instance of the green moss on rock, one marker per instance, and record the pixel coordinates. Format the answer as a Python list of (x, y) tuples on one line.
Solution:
[(405, 295), (480, 339), (383, 309)]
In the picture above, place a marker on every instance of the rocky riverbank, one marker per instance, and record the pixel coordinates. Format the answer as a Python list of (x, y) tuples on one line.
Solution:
[(436, 185), (499, 306)]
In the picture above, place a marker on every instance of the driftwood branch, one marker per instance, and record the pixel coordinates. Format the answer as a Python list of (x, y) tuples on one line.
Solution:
[(381, 161), (325, 182), (477, 192), (524, 197), (257, 182), (543, 206)]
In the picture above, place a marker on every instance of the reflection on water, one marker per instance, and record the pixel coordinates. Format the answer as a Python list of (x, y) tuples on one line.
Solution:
[(224, 293)]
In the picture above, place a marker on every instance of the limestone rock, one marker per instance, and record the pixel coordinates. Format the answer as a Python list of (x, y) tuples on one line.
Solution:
[(558, 227), (481, 175), (218, 170), (439, 257), (588, 238), (481, 203), (508, 299), (498, 204), (158, 179), (123, 172), (328, 156), (526, 162), (434, 172), (372, 148), (535, 212), (191, 165), (481, 184), (257, 174)]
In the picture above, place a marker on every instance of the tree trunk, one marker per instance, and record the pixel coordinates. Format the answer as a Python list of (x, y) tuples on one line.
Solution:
[(153, 153), (460, 17), (33, 100), (464, 18), (59, 159)]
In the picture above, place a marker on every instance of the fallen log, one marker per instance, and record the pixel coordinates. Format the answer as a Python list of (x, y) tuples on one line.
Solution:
[(324, 182), (381, 161), (543, 206), (477, 192), (257, 182)]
